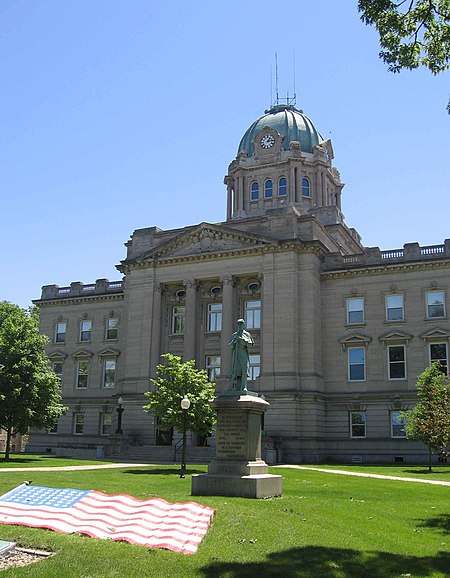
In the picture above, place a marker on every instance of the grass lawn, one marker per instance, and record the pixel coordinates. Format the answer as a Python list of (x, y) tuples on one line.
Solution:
[(324, 526)]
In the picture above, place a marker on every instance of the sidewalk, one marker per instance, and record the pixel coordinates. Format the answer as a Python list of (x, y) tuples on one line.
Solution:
[(365, 475)]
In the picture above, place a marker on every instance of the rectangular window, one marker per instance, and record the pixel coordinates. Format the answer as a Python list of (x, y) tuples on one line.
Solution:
[(355, 310), (438, 352), (178, 319), (105, 424), (82, 374), (54, 429), (255, 366), (78, 424), (397, 364), (213, 367), (109, 373), (215, 317), (397, 425), (112, 326), (85, 330), (358, 424), (60, 332), (253, 314), (435, 304), (394, 308), (356, 364), (57, 367)]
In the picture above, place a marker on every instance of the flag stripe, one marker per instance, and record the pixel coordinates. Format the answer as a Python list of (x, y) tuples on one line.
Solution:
[(152, 523)]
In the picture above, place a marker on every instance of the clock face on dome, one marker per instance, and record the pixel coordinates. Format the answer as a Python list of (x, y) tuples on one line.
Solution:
[(267, 141)]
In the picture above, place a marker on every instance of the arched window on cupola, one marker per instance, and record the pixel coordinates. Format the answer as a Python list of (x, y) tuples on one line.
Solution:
[(306, 187), (268, 189), (282, 186), (254, 191)]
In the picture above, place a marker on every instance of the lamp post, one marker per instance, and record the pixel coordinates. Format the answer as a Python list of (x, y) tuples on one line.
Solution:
[(185, 405), (119, 416)]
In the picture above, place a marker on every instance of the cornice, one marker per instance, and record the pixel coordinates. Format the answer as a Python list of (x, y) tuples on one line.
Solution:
[(77, 299), (377, 269)]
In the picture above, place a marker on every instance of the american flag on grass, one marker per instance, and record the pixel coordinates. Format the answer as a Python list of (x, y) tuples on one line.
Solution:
[(154, 523)]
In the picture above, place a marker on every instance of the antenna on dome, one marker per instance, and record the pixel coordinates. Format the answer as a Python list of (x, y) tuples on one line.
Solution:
[(289, 101)]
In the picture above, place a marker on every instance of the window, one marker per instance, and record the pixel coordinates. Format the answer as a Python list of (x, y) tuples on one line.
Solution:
[(112, 328), (85, 330), (397, 425), (252, 314), (215, 317), (105, 424), (254, 191), (57, 367), (54, 429), (255, 366), (82, 374), (282, 187), (109, 373), (268, 189), (394, 308), (355, 310), (306, 188), (397, 364), (358, 424), (438, 352), (78, 423), (435, 304), (356, 364), (178, 317), (60, 332), (213, 367)]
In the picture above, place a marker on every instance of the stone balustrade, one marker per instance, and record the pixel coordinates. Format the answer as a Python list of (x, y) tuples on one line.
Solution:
[(76, 289)]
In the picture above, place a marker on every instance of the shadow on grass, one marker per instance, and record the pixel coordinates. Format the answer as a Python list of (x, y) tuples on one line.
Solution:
[(440, 523), (163, 471), (20, 460), (320, 562), (434, 472)]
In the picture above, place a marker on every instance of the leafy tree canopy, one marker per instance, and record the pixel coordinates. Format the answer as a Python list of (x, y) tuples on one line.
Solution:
[(412, 33), (174, 380), (30, 394), (429, 421)]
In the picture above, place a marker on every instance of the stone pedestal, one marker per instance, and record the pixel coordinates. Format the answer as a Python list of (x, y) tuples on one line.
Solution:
[(238, 469)]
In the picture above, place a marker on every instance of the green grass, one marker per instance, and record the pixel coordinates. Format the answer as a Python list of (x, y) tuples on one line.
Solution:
[(324, 526), (42, 461), (440, 472)]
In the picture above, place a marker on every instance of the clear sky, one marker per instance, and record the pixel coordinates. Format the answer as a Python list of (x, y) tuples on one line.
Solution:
[(122, 114)]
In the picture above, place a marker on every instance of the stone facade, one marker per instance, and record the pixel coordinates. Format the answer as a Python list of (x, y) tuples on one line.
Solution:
[(341, 331)]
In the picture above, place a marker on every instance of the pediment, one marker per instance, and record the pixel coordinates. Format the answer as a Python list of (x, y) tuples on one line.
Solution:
[(109, 353), (435, 333), (207, 239), (82, 353), (355, 339), (57, 355), (395, 336)]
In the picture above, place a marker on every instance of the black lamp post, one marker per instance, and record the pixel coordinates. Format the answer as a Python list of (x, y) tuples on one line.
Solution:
[(119, 416), (185, 405)]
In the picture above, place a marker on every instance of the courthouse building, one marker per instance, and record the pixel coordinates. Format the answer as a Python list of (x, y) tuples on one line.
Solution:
[(341, 330)]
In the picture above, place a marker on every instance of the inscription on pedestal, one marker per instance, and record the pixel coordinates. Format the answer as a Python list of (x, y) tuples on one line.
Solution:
[(231, 437)]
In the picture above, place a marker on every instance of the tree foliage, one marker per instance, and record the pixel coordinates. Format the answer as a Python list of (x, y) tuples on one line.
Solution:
[(174, 380), (412, 33), (429, 421), (30, 394)]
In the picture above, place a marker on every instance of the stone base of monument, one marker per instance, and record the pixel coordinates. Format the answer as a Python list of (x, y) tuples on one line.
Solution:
[(238, 469)]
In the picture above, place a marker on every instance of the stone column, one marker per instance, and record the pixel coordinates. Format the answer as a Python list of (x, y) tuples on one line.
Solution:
[(229, 200), (227, 325), (190, 327), (155, 347)]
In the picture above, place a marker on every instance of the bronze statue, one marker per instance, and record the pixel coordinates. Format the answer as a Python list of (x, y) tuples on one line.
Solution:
[(240, 341)]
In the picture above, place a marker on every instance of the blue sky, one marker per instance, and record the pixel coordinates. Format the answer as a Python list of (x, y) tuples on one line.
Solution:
[(117, 115)]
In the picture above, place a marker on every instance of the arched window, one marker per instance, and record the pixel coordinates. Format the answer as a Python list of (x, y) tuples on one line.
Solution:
[(306, 188), (282, 187), (268, 189), (254, 191)]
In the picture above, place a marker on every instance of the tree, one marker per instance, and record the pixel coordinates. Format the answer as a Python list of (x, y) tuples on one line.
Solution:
[(412, 33), (30, 394), (429, 421), (174, 380)]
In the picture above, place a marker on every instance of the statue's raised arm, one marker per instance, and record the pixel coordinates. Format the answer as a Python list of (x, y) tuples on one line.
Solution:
[(240, 341)]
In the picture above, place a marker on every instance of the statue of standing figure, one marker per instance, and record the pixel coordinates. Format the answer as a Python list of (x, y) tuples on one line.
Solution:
[(240, 341)]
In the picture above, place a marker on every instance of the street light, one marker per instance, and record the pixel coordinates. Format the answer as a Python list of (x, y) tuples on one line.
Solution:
[(119, 416), (185, 405)]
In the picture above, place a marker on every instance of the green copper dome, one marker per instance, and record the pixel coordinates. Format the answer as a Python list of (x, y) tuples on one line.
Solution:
[(290, 122)]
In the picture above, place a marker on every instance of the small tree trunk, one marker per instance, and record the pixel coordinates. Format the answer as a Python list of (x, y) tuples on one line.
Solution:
[(8, 443), (430, 454)]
